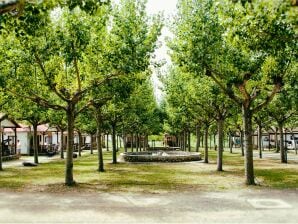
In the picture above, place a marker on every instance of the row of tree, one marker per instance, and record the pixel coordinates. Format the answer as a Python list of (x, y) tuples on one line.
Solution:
[(232, 58), (80, 65)]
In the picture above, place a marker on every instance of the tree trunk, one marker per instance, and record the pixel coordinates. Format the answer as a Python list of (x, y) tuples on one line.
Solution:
[(117, 142), (220, 127), (198, 138), (35, 145), (99, 149), (283, 156), (248, 147), (61, 145), (183, 141), (1, 149), (80, 143), (114, 144), (231, 142), (108, 142), (131, 142), (214, 142), (98, 119), (276, 140), (242, 142), (147, 142), (206, 145), (202, 140), (69, 181), (137, 142), (294, 141), (91, 144), (144, 142), (260, 140), (124, 142), (189, 140)]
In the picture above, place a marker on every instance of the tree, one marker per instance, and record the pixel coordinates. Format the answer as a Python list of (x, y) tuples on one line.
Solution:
[(245, 49), (58, 119), (281, 110), (24, 110), (180, 105), (58, 62), (215, 104)]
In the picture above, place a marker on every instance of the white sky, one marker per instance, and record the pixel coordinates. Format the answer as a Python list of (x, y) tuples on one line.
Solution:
[(168, 7)]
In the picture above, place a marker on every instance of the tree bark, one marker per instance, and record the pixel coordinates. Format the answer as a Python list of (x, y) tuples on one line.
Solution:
[(117, 143), (80, 143), (107, 142), (144, 142), (35, 145), (295, 144), (98, 141), (206, 144), (248, 147), (1, 149), (283, 156), (260, 141), (220, 127), (189, 140), (114, 144), (124, 142), (242, 142), (276, 140), (137, 142), (99, 136), (214, 141), (147, 142), (99, 149), (91, 144), (198, 138), (61, 145), (183, 141), (231, 142), (131, 142), (202, 140), (69, 181)]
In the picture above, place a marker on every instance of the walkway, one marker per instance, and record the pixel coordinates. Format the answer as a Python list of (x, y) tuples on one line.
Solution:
[(247, 206)]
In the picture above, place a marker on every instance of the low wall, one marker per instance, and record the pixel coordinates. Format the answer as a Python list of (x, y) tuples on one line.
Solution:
[(160, 156), (167, 148)]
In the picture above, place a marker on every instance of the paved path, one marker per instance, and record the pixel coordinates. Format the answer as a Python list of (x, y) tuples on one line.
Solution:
[(247, 206), (19, 162)]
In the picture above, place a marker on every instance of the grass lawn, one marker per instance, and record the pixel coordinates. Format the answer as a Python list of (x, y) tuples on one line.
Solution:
[(149, 178)]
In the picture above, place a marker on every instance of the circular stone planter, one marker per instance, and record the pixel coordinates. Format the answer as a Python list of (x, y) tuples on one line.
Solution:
[(160, 156)]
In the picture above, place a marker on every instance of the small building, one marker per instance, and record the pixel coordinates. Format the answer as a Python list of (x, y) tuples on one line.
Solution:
[(47, 138), (9, 142)]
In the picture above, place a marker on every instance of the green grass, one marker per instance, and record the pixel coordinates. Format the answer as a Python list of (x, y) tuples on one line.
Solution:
[(151, 177)]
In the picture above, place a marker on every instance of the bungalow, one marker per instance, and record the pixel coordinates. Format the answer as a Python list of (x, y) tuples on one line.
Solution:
[(9, 142)]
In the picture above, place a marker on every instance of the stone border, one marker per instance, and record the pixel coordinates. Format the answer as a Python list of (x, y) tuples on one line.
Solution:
[(160, 156)]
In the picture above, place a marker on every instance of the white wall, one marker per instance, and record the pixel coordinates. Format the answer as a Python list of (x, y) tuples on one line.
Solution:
[(88, 139), (25, 142)]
